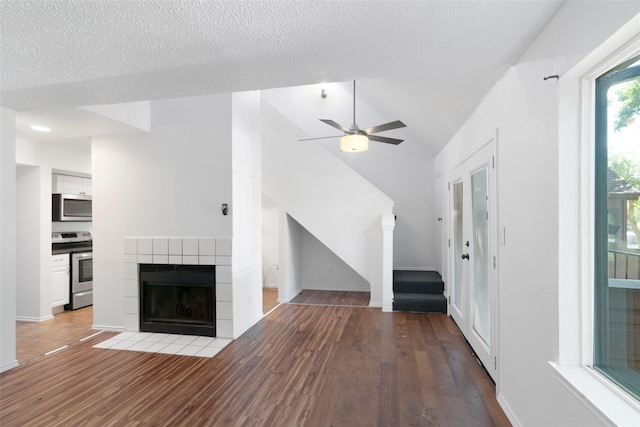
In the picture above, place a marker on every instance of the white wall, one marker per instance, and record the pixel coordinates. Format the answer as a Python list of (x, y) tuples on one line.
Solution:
[(33, 296), (290, 258), (524, 109), (53, 156), (270, 243), (170, 183), (136, 114), (440, 232), (7, 240), (323, 270), (320, 268), (326, 197), (406, 174), (246, 210)]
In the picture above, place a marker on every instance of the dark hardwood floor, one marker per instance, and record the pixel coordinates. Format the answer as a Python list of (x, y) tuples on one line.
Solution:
[(34, 339), (346, 298), (302, 365)]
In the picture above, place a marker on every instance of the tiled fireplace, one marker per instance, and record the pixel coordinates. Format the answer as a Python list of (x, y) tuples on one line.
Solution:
[(209, 251)]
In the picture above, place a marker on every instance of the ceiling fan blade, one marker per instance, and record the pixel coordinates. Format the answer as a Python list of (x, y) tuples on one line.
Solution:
[(385, 139), (335, 125), (321, 137), (387, 126)]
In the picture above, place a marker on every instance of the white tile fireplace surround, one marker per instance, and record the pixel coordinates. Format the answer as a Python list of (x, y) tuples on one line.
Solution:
[(179, 250)]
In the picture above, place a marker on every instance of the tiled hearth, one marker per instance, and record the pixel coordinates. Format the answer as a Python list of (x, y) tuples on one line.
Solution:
[(179, 250), (182, 345)]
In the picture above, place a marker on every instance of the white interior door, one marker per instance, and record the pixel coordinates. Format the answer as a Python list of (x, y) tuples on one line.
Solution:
[(472, 253)]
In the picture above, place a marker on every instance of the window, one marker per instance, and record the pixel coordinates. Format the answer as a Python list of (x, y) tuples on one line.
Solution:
[(616, 340)]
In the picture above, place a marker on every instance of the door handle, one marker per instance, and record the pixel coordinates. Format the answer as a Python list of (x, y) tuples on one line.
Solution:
[(465, 256)]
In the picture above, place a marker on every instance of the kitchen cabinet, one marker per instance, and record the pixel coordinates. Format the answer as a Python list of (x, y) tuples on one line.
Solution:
[(69, 184), (60, 276)]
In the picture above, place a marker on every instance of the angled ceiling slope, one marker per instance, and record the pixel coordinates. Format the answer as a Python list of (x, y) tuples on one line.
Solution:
[(439, 56), (70, 123)]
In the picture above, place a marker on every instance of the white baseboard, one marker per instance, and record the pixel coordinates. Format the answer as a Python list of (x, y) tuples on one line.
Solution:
[(248, 326), (507, 411), (375, 304), (336, 287), (284, 300), (8, 366), (33, 319)]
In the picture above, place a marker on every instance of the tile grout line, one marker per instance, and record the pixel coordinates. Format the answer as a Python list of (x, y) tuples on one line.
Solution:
[(182, 346)]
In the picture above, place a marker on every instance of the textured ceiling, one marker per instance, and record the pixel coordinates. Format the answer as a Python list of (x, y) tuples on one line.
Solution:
[(430, 59)]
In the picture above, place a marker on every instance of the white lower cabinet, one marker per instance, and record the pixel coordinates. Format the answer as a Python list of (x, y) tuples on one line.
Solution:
[(60, 276)]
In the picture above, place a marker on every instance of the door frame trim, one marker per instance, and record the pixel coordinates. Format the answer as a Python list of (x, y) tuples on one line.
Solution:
[(491, 141)]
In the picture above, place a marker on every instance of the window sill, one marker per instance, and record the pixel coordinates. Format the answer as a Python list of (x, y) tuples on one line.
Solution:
[(597, 396)]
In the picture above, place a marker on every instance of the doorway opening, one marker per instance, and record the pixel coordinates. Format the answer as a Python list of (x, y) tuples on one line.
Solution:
[(473, 252)]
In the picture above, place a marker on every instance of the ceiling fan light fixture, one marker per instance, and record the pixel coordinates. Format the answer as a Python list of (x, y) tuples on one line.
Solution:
[(354, 143), (356, 140), (40, 128)]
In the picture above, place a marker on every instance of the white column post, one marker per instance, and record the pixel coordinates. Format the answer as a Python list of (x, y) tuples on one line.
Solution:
[(388, 224)]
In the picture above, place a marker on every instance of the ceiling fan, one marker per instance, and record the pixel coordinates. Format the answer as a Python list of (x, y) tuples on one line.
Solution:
[(356, 139)]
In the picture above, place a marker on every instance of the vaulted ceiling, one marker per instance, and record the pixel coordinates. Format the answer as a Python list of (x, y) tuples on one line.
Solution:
[(428, 63)]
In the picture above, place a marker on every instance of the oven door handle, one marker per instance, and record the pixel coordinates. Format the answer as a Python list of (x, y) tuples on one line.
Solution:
[(83, 255)]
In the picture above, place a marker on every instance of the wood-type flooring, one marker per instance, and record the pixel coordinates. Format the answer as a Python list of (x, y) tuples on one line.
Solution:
[(269, 299), (34, 339), (347, 298), (302, 365)]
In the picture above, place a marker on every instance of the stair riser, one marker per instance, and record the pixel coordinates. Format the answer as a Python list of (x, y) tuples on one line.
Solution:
[(418, 288), (418, 291), (416, 276), (431, 307), (420, 302)]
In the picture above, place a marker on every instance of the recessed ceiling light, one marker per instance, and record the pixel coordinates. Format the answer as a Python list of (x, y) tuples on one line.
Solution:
[(40, 128)]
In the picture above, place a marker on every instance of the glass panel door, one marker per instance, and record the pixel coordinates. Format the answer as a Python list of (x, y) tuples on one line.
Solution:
[(473, 248), (481, 252)]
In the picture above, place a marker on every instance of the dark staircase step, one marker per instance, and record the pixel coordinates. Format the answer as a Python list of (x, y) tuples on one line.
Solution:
[(424, 303), (417, 282), (418, 291)]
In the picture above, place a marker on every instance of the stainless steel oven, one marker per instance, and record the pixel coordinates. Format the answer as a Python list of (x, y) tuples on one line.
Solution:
[(81, 280), (79, 245)]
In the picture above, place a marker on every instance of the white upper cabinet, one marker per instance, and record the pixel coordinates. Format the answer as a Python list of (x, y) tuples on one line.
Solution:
[(68, 184)]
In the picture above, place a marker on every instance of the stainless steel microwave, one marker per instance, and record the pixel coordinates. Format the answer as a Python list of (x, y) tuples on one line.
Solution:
[(71, 207)]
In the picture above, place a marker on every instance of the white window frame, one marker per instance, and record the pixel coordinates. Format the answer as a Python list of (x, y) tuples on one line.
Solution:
[(576, 238)]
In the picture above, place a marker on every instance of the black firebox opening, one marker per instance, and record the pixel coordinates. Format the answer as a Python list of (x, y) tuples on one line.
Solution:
[(178, 299)]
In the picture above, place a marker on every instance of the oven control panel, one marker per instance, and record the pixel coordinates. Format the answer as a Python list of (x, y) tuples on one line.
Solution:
[(70, 236)]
